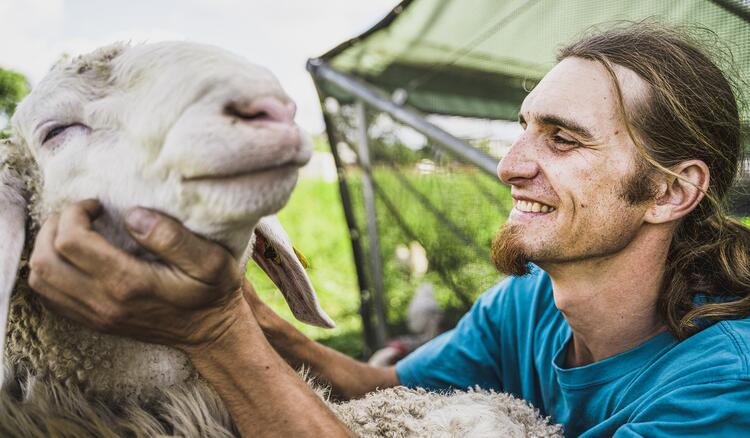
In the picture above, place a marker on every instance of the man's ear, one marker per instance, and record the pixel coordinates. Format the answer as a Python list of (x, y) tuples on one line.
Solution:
[(679, 192)]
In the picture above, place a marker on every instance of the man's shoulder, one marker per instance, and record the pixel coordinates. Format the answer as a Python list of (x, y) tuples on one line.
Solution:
[(717, 355), (723, 347)]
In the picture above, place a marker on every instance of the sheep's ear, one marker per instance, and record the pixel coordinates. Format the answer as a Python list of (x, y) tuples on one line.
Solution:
[(12, 235), (276, 255)]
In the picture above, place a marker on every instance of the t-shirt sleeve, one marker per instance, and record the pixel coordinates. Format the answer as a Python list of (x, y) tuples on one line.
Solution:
[(464, 357), (716, 409)]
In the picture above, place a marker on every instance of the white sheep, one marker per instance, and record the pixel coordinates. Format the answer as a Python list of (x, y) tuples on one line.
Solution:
[(39, 409), (208, 138), (188, 129)]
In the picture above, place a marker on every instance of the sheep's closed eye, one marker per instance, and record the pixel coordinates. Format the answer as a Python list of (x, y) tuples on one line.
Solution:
[(59, 132)]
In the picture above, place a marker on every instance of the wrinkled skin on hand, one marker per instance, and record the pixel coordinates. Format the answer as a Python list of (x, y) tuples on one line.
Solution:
[(186, 299)]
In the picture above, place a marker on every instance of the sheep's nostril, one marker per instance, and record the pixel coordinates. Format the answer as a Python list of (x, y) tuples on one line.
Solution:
[(263, 108)]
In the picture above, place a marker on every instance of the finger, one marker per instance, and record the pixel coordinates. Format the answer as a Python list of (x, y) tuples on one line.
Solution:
[(61, 303), (178, 288), (83, 247), (61, 276), (47, 265), (199, 258)]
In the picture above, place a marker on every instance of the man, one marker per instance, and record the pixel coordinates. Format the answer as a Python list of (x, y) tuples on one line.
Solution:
[(632, 320)]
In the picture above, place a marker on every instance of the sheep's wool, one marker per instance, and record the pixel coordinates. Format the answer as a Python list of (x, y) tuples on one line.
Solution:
[(37, 409), (49, 346)]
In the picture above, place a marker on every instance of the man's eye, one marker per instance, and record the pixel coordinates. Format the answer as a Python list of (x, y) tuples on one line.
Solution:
[(54, 132), (563, 143), (563, 140)]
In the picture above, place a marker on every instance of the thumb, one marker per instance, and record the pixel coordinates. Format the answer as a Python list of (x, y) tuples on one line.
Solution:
[(201, 259)]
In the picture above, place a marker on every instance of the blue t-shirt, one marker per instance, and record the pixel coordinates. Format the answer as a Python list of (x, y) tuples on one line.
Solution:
[(514, 340)]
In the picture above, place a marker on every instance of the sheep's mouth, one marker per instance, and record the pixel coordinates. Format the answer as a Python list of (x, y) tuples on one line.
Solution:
[(235, 175)]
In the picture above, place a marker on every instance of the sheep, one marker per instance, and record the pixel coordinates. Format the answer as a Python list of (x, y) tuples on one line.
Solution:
[(207, 138), (193, 410), (221, 156)]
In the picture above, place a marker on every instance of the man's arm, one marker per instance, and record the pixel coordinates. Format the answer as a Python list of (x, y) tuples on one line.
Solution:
[(263, 394), (348, 378), (191, 300)]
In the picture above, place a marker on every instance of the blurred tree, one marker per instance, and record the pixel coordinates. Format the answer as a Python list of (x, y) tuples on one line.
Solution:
[(13, 87)]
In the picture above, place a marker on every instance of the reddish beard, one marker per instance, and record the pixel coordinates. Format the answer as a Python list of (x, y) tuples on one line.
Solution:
[(507, 252)]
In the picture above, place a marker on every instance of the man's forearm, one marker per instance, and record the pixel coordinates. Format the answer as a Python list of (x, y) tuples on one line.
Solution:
[(348, 377), (263, 394)]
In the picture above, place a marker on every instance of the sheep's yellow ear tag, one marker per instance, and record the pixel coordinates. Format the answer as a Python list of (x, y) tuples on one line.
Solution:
[(302, 259)]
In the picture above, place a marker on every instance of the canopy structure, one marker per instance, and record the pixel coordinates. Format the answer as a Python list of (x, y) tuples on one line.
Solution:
[(477, 58), (471, 59)]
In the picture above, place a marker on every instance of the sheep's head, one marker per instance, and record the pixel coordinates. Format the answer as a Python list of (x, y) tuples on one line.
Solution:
[(187, 129)]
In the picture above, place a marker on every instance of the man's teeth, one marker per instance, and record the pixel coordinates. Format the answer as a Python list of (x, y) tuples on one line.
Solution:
[(533, 207)]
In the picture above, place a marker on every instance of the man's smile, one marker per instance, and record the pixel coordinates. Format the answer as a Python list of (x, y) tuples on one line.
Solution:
[(533, 207)]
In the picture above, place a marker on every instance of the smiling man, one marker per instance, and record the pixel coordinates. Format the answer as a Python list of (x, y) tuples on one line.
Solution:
[(626, 312)]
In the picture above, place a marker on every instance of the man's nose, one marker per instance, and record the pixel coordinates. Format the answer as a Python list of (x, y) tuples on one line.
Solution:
[(519, 163)]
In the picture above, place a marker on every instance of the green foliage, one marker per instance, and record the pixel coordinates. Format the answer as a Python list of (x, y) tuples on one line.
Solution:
[(13, 88)]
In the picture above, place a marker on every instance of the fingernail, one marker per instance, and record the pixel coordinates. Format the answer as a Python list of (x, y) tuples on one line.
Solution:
[(140, 221)]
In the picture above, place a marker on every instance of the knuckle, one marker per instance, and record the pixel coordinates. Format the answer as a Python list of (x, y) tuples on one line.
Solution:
[(110, 316), (39, 264), (169, 237), (35, 282), (126, 290), (67, 243), (217, 267)]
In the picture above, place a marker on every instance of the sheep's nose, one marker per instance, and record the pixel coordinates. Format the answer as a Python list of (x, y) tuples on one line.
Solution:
[(265, 108)]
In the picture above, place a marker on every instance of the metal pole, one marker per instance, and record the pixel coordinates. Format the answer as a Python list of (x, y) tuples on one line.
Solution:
[(411, 117), (365, 297), (373, 236)]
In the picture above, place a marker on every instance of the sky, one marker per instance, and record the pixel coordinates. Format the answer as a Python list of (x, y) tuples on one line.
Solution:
[(278, 34)]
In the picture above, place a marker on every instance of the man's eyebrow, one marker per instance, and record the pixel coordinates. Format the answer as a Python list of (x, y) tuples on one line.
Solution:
[(562, 122)]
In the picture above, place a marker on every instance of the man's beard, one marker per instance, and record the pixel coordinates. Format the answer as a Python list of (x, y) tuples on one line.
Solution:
[(507, 253), (507, 250)]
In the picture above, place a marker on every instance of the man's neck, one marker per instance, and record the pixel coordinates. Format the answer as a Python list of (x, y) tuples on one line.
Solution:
[(610, 302)]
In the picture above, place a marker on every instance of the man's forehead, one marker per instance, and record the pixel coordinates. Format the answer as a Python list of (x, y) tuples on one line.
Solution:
[(580, 90)]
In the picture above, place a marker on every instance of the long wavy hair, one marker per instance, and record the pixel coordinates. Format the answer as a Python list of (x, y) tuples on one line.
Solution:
[(690, 112)]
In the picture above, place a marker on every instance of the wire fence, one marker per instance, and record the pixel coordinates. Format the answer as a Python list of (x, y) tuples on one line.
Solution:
[(434, 217)]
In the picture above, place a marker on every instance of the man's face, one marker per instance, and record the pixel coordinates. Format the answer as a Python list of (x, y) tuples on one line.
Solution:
[(570, 169)]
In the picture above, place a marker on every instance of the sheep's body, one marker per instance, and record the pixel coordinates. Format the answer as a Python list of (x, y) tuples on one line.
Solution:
[(193, 410), (56, 349)]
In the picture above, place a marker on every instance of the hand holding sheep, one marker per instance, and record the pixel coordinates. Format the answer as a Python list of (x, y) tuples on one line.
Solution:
[(184, 304)]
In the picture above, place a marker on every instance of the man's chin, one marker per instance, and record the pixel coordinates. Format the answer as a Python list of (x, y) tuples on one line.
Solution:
[(507, 251)]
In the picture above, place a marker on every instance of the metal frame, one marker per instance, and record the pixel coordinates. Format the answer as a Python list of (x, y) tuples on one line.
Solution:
[(321, 71), (373, 236), (371, 290), (365, 303)]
